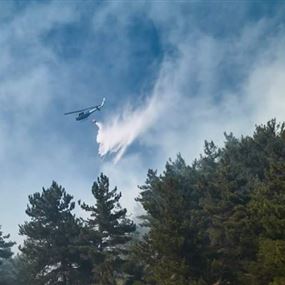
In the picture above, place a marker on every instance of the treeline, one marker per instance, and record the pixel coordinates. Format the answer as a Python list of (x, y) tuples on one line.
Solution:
[(218, 221)]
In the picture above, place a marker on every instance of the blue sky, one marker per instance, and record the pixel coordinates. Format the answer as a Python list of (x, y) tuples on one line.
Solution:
[(173, 74)]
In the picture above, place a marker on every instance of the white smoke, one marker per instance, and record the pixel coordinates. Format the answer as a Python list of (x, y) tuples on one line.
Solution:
[(117, 135)]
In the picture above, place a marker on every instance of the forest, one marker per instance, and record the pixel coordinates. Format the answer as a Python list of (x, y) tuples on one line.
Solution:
[(218, 221)]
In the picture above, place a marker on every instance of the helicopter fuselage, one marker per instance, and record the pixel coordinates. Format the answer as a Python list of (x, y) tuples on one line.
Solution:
[(82, 116), (85, 113)]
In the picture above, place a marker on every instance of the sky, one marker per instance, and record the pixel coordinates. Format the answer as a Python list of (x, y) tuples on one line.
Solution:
[(174, 74)]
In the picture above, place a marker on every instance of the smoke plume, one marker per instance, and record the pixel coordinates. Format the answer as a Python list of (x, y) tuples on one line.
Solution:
[(115, 136)]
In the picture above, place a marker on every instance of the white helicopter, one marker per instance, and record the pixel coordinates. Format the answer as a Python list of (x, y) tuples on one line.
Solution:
[(86, 112)]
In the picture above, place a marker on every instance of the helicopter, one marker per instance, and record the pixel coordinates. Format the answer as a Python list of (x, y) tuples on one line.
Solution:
[(86, 112)]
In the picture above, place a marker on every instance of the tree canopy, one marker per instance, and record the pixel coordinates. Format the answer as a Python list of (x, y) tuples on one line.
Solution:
[(52, 237), (218, 221), (110, 227), (5, 247)]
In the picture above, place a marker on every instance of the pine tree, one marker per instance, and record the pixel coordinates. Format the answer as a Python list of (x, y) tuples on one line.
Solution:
[(17, 271), (5, 247), (52, 235), (135, 265), (173, 249), (268, 205), (109, 230), (226, 194), (220, 221), (233, 226), (6, 274)]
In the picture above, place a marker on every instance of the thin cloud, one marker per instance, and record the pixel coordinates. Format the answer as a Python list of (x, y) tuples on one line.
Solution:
[(191, 100)]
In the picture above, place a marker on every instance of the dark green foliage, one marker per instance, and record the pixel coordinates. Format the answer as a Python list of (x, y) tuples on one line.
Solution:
[(218, 221), (17, 271), (6, 272), (5, 247), (134, 267), (51, 246), (108, 230), (214, 222), (174, 247), (269, 210)]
